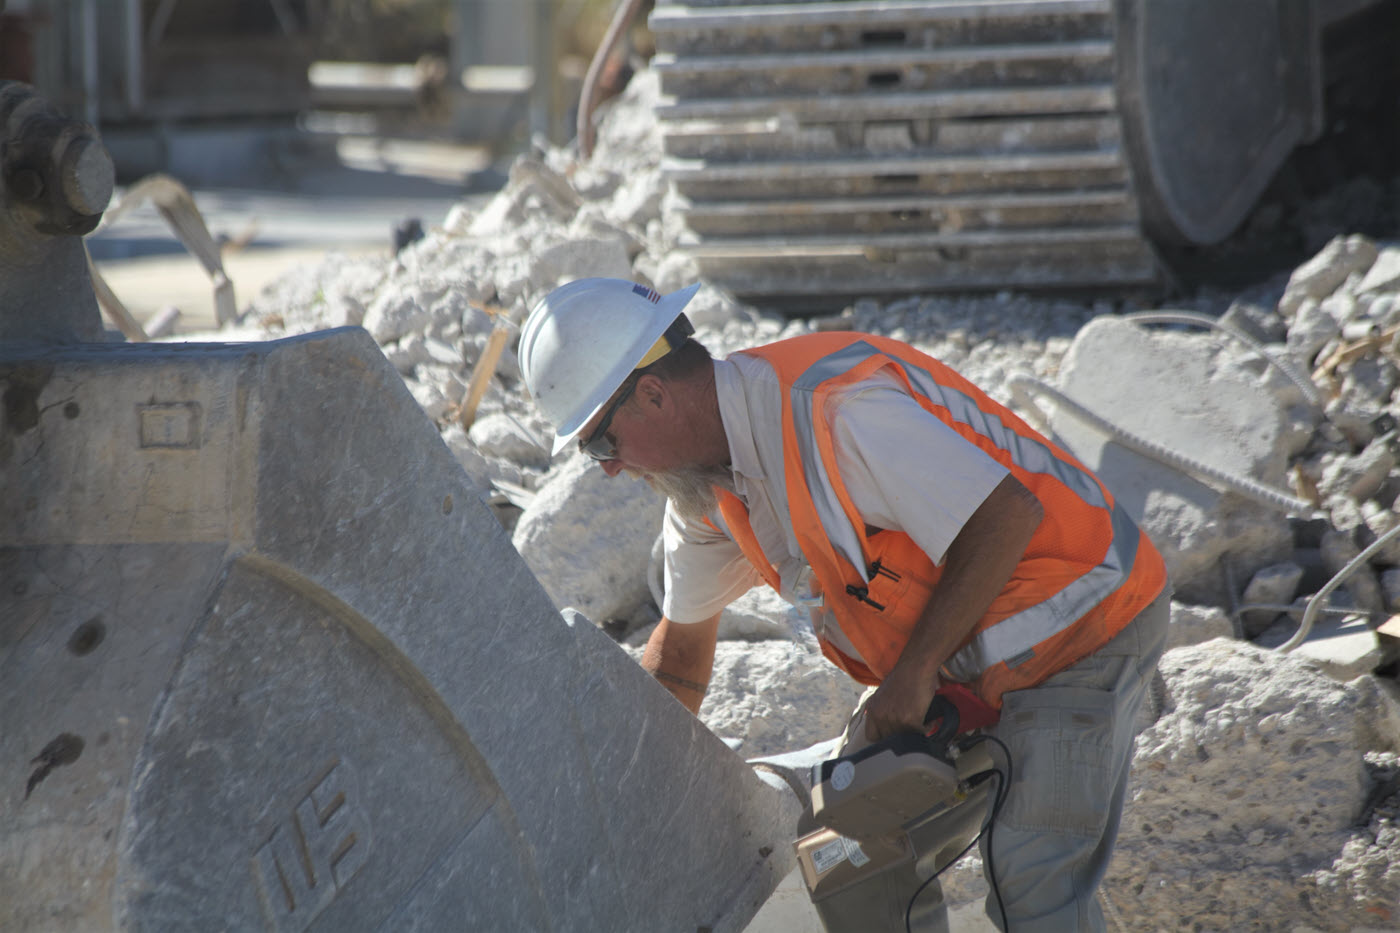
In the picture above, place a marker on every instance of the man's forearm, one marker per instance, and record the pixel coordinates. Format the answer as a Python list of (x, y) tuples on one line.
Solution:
[(682, 657), (978, 565)]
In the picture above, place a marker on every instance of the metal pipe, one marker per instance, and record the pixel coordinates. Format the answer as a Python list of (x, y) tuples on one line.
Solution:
[(1315, 604), (622, 18)]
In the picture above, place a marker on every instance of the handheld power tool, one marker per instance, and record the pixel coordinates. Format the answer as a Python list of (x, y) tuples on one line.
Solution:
[(907, 795)]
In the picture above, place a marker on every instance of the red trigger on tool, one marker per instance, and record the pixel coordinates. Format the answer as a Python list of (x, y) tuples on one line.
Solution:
[(955, 710)]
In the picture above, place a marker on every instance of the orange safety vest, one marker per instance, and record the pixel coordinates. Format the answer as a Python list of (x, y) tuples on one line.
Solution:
[(1087, 572)]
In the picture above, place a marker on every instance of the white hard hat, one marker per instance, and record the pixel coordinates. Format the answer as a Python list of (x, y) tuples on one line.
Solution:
[(583, 339)]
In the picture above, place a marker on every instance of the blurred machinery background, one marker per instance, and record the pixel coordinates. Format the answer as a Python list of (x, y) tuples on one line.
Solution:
[(204, 89)]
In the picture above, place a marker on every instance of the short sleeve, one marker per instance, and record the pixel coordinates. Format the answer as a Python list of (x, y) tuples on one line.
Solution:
[(705, 569), (907, 470)]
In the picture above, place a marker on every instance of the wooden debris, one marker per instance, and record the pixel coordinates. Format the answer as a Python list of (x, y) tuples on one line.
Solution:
[(112, 306), (1348, 352), (482, 372)]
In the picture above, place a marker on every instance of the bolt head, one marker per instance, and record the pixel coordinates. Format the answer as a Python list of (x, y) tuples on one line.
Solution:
[(87, 176)]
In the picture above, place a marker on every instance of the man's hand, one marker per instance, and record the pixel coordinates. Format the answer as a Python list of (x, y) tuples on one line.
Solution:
[(899, 704)]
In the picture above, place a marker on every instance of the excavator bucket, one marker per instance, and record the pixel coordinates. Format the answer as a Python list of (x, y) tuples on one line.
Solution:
[(268, 661)]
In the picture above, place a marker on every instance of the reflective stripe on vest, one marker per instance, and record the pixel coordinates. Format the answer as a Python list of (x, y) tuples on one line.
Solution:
[(1029, 454), (1008, 640)]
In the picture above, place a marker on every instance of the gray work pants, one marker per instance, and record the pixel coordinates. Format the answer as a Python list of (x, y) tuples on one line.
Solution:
[(1071, 743)]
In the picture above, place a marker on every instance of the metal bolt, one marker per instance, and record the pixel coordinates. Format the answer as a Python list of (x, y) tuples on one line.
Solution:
[(87, 176)]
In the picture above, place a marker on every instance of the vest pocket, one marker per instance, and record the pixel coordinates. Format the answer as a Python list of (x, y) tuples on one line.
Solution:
[(893, 588)]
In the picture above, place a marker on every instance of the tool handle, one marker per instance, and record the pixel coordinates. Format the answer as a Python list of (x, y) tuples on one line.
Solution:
[(955, 710), (945, 712)]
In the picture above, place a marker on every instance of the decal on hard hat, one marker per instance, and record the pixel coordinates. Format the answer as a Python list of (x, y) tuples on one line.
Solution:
[(842, 776)]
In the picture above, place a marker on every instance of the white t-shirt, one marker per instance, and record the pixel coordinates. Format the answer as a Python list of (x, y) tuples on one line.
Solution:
[(904, 469)]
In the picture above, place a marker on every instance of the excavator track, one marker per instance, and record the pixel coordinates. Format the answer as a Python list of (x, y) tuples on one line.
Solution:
[(870, 147)]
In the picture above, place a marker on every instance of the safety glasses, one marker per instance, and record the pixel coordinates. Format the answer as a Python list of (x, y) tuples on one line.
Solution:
[(599, 445)]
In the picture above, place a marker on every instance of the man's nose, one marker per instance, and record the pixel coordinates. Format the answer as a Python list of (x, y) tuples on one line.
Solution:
[(611, 467)]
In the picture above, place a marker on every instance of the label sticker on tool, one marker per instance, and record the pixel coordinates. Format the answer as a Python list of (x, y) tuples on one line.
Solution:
[(829, 856), (842, 775), (854, 853)]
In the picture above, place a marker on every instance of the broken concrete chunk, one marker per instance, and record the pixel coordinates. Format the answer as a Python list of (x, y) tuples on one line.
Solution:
[(1346, 428), (1390, 585), (471, 460), (1273, 585), (551, 187), (499, 435), (396, 313), (1320, 276), (534, 193), (1345, 514), (407, 353), (1263, 324), (1191, 625), (1341, 307), (458, 220), (1343, 646), (1357, 477), (580, 510), (1299, 419), (637, 201), (1384, 309), (592, 223), (1256, 770), (1372, 378), (760, 615), (430, 398), (576, 259), (777, 696), (444, 353), (447, 379), (666, 272), (1312, 328), (1384, 274), (1338, 550), (1380, 520), (1182, 401)]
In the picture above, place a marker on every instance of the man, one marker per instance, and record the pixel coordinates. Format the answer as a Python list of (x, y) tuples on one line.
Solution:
[(934, 536)]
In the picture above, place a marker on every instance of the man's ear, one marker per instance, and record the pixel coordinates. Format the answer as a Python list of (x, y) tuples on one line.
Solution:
[(652, 391)]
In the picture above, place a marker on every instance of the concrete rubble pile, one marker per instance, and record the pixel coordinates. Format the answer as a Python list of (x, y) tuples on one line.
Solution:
[(1263, 796)]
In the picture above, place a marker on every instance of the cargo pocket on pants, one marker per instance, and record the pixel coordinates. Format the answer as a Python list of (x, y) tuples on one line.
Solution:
[(1061, 745)]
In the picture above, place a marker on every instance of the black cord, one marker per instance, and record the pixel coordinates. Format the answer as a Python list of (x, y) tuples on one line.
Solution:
[(1003, 784), (1002, 789)]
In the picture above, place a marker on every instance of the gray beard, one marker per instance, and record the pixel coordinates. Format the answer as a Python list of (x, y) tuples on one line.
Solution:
[(692, 489)]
